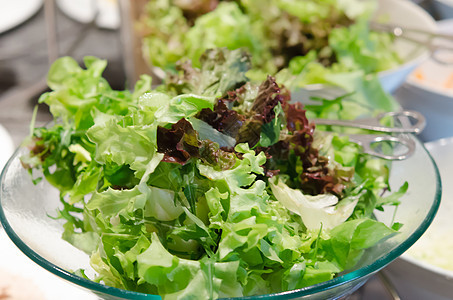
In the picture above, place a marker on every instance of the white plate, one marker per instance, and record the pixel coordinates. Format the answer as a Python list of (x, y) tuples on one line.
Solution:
[(421, 272), (15, 12), (6, 146), (438, 239), (84, 11), (20, 278)]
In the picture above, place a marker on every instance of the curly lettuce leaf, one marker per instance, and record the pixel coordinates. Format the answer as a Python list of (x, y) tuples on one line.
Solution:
[(131, 145), (177, 278), (357, 47), (226, 26), (77, 92), (220, 71), (168, 20)]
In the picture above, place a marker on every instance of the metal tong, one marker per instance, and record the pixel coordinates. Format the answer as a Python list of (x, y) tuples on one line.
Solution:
[(444, 42), (369, 141)]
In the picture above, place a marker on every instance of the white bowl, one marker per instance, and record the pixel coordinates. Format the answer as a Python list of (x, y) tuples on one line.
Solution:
[(427, 267), (106, 12), (407, 14), (444, 8), (426, 90)]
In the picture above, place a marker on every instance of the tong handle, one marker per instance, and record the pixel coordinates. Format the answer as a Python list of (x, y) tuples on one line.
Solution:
[(407, 115), (400, 31), (374, 125), (436, 43), (366, 141)]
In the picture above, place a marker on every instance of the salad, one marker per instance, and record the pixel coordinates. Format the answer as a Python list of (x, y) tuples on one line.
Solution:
[(318, 38), (206, 186)]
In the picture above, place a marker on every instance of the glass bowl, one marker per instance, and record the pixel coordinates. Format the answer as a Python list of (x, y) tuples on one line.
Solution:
[(25, 211)]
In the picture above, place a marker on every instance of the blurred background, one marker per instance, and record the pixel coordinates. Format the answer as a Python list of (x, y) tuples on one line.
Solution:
[(33, 33)]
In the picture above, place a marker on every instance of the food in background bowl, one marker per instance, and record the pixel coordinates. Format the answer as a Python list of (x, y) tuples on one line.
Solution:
[(208, 186), (436, 74), (313, 41), (429, 89)]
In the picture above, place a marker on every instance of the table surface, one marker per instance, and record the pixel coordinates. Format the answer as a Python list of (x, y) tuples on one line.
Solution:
[(23, 67)]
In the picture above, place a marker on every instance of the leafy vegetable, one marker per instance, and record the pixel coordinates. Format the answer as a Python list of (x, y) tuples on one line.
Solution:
[(207, 186), (221, 71), (278, 33), (315, 211), (300, 43)]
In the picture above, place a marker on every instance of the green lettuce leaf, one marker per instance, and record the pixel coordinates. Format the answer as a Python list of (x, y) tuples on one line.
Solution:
[(321, 211), (348, 240), (180, 278), (118, 144), (151, 201)]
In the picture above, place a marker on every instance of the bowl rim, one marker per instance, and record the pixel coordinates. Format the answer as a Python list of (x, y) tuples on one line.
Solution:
[(362, 272)]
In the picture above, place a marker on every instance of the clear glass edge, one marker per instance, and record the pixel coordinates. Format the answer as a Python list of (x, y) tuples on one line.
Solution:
[(357, 274)]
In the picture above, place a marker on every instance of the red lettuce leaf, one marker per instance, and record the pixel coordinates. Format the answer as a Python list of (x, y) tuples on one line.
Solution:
[(179, 143), (246, 126), (222, 119), (295, 155), (296, 118), (262, 111), (269, 95)]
